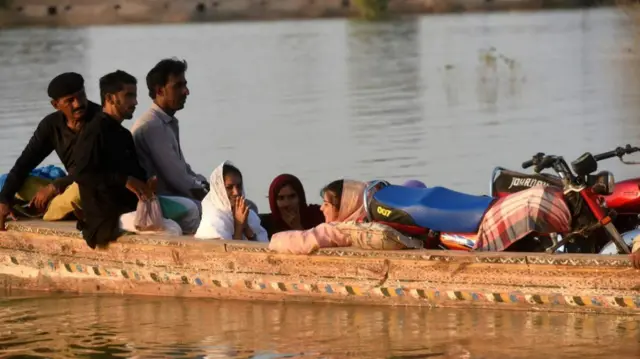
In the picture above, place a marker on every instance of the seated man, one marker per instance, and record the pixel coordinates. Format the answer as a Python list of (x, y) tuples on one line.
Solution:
[(157, 137), (108, 173), (57, 132)]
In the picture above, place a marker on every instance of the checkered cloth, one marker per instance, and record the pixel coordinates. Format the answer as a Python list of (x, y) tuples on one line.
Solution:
[(538, 209)]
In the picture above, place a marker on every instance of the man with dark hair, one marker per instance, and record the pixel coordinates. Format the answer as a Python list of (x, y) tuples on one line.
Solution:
[(157, 136), (110, 178), (57, 132)]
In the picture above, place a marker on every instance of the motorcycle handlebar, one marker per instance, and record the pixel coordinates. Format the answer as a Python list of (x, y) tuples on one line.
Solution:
[(618, 152), (546, 162), (541, 162), (527, 164), (605, 155)]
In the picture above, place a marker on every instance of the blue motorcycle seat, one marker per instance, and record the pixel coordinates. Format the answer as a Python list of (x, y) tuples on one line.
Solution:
[(437, 208)]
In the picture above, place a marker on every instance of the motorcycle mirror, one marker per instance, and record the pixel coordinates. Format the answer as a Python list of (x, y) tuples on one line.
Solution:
[(629, 162)]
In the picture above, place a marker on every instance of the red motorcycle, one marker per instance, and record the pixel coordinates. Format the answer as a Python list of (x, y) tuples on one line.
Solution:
[(453, 218), (624, 198)]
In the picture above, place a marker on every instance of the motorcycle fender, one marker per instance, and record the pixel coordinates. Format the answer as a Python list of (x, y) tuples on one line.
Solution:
[(459, 241)]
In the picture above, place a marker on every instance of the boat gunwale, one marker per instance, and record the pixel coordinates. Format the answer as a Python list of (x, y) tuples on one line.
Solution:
[(52, 256), (219, 245)]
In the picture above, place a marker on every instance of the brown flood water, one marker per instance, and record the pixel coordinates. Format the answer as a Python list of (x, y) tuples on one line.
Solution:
[(65, 326), (424, 98), (438, 98)]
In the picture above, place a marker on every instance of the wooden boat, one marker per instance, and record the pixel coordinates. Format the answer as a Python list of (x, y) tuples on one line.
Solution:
[(48, 256)]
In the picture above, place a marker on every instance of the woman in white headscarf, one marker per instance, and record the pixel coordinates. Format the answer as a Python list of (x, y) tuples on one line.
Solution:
[(226, 214)]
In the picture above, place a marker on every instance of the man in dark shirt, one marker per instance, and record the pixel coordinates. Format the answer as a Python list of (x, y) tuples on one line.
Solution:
[(110, 178), (57, 132)]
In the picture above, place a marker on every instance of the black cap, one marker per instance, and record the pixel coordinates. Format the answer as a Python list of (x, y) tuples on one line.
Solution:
[(65, 84)]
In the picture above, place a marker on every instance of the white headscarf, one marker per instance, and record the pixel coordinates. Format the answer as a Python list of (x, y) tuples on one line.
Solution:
[(217, 215)]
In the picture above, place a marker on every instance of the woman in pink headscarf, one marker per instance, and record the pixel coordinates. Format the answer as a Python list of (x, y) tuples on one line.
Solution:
[(342, 202)]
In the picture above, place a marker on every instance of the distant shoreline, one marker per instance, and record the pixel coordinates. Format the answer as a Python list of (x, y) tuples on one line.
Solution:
[(71, 13)]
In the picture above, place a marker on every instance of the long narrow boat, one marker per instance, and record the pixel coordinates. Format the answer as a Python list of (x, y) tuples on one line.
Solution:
[(44, 256)]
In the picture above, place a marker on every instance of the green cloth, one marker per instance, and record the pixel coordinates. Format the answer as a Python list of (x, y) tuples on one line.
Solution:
[(172, 209)]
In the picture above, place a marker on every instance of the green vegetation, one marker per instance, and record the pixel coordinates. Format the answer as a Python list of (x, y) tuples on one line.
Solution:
[(489, 58), (371, 9)]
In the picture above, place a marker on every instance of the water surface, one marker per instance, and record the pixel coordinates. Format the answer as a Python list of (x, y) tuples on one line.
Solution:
[(140, 327), (440, 98)]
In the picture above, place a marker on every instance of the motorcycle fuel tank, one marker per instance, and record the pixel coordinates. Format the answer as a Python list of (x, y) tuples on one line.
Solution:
[(625, 197)]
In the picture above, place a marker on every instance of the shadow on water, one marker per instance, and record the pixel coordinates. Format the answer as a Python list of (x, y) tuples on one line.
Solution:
[(66, 326), (386, 120)]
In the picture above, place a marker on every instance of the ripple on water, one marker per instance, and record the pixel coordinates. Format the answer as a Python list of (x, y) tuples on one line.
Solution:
[(141, 327), (458, 94)]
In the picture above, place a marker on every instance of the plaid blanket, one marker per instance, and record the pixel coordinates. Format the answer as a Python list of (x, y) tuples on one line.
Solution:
[(538, 209)]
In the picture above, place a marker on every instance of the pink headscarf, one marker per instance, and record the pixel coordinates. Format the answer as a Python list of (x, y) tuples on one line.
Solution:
[(351, 202), (325, 235)]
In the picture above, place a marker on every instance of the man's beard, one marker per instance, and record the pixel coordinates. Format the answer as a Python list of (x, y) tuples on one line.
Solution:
[(126, 113)]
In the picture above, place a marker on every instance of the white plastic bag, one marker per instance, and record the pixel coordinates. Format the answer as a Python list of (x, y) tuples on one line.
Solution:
[(149, 216)]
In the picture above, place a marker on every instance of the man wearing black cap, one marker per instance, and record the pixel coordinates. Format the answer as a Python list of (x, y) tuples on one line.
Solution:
[(57, 132)]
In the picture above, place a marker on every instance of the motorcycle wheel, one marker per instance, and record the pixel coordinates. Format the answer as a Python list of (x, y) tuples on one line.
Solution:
[(611, 249)]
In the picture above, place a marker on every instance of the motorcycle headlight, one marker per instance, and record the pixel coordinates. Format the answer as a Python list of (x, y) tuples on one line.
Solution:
[(603, 183)]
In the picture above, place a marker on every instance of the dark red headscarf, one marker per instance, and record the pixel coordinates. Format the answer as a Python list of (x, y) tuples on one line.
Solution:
[(310, 215)]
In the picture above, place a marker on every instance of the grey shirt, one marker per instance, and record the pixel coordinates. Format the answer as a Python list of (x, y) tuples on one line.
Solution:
[(157, 139)]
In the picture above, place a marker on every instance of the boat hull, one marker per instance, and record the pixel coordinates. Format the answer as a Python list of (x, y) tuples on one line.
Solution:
[(53, 257)]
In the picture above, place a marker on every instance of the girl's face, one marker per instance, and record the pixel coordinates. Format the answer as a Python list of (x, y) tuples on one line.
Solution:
[(328, 208)]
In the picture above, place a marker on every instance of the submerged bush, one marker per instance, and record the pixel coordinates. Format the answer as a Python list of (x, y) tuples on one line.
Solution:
[(372, 9)]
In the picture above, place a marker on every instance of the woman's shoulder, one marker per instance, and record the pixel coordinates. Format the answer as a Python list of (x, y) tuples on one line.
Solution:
[(266, 221), (265, 218), (252, 205), (315, 214)]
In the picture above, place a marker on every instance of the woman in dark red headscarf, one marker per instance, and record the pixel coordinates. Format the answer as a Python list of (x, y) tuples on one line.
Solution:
[(289, 208)]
